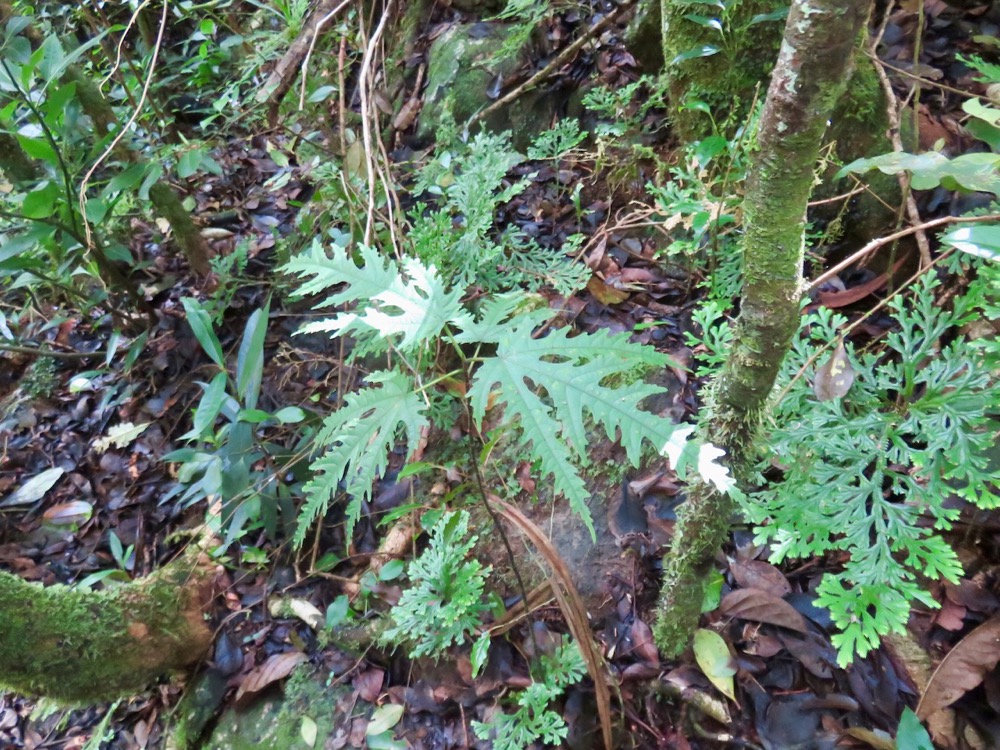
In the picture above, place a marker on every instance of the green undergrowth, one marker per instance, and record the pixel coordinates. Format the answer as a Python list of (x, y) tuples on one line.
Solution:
[(872, 443), (547, 386)]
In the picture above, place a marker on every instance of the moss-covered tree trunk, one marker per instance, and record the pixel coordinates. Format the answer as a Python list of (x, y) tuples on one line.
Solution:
[(810, 74), (162, 195), (84, 646)]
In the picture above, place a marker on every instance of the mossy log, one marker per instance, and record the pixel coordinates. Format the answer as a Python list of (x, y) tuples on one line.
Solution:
[(186, 232), (80, 647)]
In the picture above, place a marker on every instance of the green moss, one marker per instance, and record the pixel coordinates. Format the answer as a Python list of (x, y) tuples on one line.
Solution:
[(277, 722), (725, 80), (83, 646), (858, 128)]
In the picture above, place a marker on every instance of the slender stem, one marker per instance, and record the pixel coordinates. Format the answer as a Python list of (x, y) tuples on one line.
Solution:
[(49, 135), (37, 351)]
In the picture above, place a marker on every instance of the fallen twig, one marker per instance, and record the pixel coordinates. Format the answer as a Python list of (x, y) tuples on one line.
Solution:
[(880, 241), (554, 65), (923, 245)]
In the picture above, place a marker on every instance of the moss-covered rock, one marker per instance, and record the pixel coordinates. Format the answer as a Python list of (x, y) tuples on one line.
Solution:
[(717, 58), (276, 721), (463, 64)]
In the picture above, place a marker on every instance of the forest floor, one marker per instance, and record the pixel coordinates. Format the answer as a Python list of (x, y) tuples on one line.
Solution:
[(113, 509)]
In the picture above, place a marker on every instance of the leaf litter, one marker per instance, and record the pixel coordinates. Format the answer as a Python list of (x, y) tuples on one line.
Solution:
[(762, 638)]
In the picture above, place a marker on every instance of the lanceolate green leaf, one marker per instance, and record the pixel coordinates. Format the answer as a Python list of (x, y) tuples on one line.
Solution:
[(358, 438), (201, 323), (250, 360)]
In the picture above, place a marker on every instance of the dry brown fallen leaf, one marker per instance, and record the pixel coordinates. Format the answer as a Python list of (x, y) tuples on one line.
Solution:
[(274, 668), (757, 574), (962, 669), (759, 606)]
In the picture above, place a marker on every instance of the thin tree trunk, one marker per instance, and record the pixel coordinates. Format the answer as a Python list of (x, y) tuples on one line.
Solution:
[(163, 196), (813, 67), (85, 646)]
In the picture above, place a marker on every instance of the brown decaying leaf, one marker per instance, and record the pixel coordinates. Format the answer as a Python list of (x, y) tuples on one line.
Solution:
[(835, 377), (643, 647), (850, 296), (757, 574), (524, 479), (951, 616), (759, 606), (962, 669), (972, 596), (369, 684), (274, 668)]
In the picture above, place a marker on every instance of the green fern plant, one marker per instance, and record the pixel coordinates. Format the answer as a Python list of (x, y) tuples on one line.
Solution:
[(548, 387), (864, 469), (534, 720), (453, 229), (444, 603)]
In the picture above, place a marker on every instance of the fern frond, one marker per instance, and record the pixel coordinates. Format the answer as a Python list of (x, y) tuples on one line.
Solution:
[(412, 305), (328, 271), (359, 437), (572, 372), (541, 266)]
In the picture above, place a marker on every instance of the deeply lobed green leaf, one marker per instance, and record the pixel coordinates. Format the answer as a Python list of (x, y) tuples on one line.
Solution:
[(357, 440)]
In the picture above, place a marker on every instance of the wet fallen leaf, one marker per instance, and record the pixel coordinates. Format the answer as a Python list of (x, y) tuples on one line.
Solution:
[(962, 669), (972, 596), (274, 668), (120, 436), (643, 646), (876, 739), (951, 616), (606, 294), (385, 718), (835, 377), (34, 489), (307, 612), (757, 574), (715, 661), (73, 513), (524, 478), (369, 684), (759, 606)]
